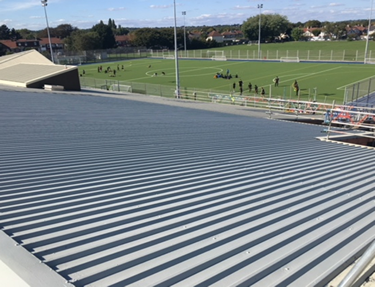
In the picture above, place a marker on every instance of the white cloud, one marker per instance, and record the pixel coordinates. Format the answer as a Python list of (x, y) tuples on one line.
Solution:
[(335, 4), (21, 6), (238, 7), (117, 9), (160, 6)]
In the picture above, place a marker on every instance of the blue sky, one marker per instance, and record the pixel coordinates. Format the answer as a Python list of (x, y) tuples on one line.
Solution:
[(159, 13)]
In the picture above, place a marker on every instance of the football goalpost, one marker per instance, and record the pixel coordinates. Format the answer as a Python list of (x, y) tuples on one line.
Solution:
[(369, 61), (289, 59), (216, 55), (121, 88), (168, 56)]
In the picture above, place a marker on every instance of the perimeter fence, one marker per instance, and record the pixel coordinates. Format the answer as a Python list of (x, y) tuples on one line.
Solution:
[(284, 102), (302, 55), (361, 93), (100, 56)]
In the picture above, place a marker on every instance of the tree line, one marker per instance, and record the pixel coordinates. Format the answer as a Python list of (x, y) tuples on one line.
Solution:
[(102, 36)]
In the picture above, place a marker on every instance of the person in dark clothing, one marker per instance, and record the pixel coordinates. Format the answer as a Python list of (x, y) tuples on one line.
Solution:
[(296, 87), (256, 89), (250, 86), (276, 81), (262, 92), (234, 87)]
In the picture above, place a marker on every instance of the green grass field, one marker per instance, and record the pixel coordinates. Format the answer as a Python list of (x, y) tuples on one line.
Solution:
[(328, 79)]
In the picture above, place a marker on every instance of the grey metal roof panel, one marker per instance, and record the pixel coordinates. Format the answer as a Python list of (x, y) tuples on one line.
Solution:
[(112, 192)]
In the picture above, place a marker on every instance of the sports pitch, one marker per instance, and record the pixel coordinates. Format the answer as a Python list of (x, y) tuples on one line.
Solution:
[(323, 82)]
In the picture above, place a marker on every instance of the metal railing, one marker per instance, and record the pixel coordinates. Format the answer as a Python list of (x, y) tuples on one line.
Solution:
[(252, 54)]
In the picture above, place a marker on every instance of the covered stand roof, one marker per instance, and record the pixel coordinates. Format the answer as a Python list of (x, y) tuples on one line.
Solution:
[(32, 70), (115, 192)]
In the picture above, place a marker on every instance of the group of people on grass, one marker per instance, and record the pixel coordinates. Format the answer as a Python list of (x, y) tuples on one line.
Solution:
[(250, 88), (110, 71), (262, 91)]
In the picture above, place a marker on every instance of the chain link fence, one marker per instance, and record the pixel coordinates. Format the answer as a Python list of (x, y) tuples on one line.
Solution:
[(302, 55), (361, 93), (100, 56)]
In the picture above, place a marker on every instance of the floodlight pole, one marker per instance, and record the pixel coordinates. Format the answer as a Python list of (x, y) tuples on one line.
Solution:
[(184, 14), (177, 92), (368, 31), (44, 4), (260, 6)]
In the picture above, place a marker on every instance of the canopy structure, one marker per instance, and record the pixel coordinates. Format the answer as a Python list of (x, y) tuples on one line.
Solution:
[(30, 69)]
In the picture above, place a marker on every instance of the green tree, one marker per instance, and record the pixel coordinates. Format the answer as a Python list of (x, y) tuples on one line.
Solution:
[(297, 34), (121, 31), (329, 28), (147, 37), (158, 38), (27, 34), (313, 24), (44, 33), (316, 32), (81, 40), (4, 32), (105, 32), (340, 30), (272, 25), (14, 35), (111, 23), (64, 30)]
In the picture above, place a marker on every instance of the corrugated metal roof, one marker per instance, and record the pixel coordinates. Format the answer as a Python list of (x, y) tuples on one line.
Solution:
[(113, 192)]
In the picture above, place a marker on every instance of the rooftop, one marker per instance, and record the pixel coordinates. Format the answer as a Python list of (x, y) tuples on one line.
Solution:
[(130, 190)]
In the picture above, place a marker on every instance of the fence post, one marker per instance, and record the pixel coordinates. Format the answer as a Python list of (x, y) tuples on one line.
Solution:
[(315, 93), (297, 53), (356, 55), (343, 55), (308, 54), (277, 54), (330, 119), (359, 267), (368, 92)]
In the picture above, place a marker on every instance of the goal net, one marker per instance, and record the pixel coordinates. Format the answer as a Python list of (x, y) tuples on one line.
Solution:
[(121, 88), (289, 59), (369, 61), (218, 58), (215, 53), (168, 56)]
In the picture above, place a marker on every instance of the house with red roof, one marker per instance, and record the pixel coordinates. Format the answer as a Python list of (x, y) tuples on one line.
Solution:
[(57, 44), (40, 45), (19, 45), (123, 40), (214, 35)]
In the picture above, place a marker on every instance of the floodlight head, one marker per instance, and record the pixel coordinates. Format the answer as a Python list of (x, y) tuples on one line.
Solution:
[(44, 2), (183, 12), (260, 6)]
